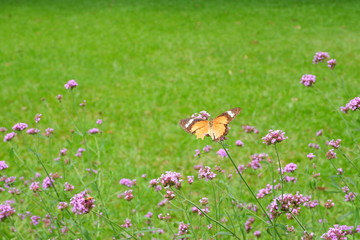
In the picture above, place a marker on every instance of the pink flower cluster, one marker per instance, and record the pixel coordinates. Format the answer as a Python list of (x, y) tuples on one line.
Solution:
[(204, 115), (308, 80), (320, 57), (6, 210), (338, 232), (127, 182), (82, 203), (250, 129), (248, 224), (264, 191), (274, 136), (289, 203), (71, 84), (3, 165), (256, 159), (9, 136), (169, 179), (334, 143), (353, 105), (19, 126), (183, 229), (205, 173)]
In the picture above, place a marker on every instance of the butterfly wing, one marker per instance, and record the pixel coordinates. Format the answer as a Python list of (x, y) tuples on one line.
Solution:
[(195, 126), (219, 127)]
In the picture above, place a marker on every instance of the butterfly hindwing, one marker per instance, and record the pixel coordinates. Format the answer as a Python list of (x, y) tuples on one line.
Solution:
[(195, 126)]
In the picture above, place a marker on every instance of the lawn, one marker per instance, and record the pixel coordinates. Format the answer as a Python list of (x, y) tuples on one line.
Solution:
[(142, 66)]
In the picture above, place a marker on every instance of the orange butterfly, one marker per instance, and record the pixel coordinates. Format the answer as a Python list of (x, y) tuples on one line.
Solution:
[(216, 128)]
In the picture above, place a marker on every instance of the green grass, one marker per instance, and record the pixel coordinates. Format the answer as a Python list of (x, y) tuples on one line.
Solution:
[(144, 65)]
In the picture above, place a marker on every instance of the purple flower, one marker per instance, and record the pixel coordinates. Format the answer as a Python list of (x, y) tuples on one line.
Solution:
[(32, 131), (353, 105), (274, 136), (127, 195), (248, 224), (202, 115), (68, 187), (307, 236), (310, 156), (38, 117), (221, 153), (3, 129), (329, 204), (82, 203), (94, 131), (249, 129), (6, 211), (190, 179), (334, 143), (337, 232), (350, 196), (204, 201), (197, 152), (83, 103), (308, 80), (63, 152), (170, 179), (19, 126), (313, 145), (207, 148), (340, 171), (319, 133), (127, 182), (331, 63), (149, 215), (127, 223), (206, 174), (257, 234), (47, 182), (99, 121), (3, 165), (35, 220), (49, 131), (320, 57), (71, 84), (34, 186), (239, 143), (291, 167), (183, 229), (264, 191), (331, 154), (241, 168), (59, 97)]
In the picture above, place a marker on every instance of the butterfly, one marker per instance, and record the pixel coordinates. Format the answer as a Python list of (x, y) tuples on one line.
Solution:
[(216, 128)]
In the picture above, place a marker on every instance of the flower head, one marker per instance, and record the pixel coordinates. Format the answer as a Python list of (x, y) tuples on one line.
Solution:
[(19, 126), (308, 80), (334, 143), (49, 131), (6, 210), (239, 143), (274, 136), (94, 131), (331, 63), (3, 165), (353, 105), (221, 153), (170, 179), (320, 57), (127, 182), (331, 154), (206, 173), (32, 131), (82, 203), (249, 129), (71, 84), (310, 156)]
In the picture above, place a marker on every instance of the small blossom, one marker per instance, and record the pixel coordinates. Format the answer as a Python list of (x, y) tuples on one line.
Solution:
[(183, 229), (127, 223), (68, 187), (3, 129), (34, 186), (49, 131), (206, 174), (94, 131), (331, 154), (47, 182), (290, 179), (291, 167), (248, 224), (62, 205), (190, 179), (345, 189), (307, 236), (334, 143), (63, 152), (19, 126), (32, 131), (197, 152), (241, 168), (310, 156), (6, 210), (313, 145), (329, 204), (38, 117), (353, 105), (249, 129), (320, 57), (169, 195), (308, 80), (350, 197), (337, 232), (257, 234), (340, 171), (319, 133), (331, 63), (274, 136), (149, 215), (204, 201), (99, 121), (82, 203), (207, 148), (198, 167), (170, 179), (202, 115), (71, 84), (59, 97), (83, 103), (221, 153), (239, 143), (128, 195), (35, 220), (127, 182), (3, 165)]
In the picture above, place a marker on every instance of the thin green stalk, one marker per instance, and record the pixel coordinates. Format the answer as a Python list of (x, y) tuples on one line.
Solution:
[(187, 216), (281, 174), (250, 190), (300, 224), (208, 217), (351, 162)]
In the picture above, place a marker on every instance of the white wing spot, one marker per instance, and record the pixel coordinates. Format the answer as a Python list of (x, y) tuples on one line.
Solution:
[(232, 114), (189, 123)]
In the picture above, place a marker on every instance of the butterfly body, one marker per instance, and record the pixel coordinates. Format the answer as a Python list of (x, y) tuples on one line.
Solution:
[(216, 128)]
